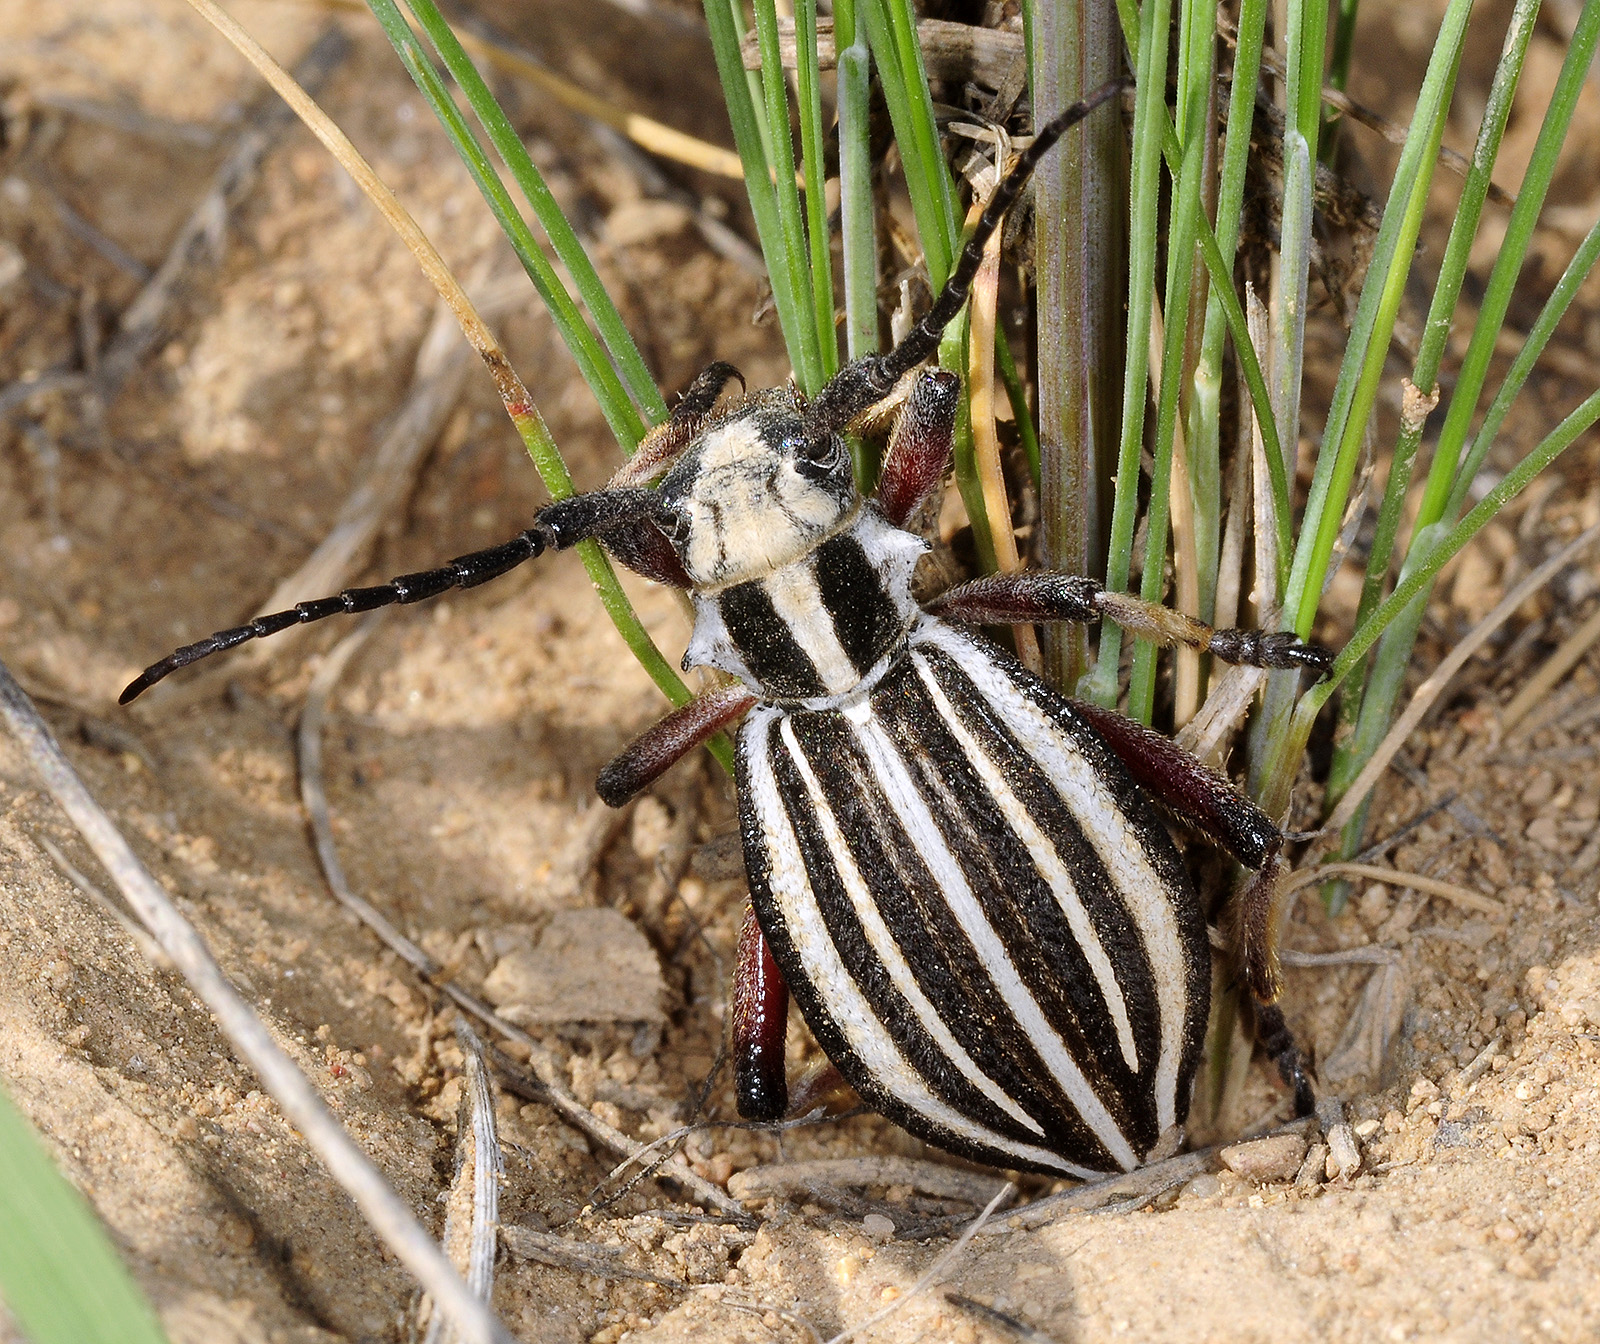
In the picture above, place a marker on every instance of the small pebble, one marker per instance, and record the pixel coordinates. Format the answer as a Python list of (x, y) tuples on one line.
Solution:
[(878, 1228), (1276, 1158)]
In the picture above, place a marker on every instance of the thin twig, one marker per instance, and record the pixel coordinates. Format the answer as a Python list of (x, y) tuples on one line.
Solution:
[(488, 1165), (1542, 682), (1433, 886), (993, 1316), (1433, 687), (544, 1065), (935, 1270), (582, 1257), (385, 1211), (129, 119), (654, 136), (1344, 956), (477, 1154), (789, 1179), (1156, 1176), (1379, 848), (149, 949)]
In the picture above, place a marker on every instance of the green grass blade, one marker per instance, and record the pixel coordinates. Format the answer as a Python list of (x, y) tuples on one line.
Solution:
[(1508, 264), (59, 1276), (748, 136), (1344, 42), (1205, 412), (620, 412), (1181, 240), (1304, 40), (1566, 290), (804, 353), (891, 32), (1515, 481), (1449, 476), (1281, 761), (811, 147), (1353, 747), (1074, 47), (1367, 347), (563, 238), (1146, 34), (858, 232)]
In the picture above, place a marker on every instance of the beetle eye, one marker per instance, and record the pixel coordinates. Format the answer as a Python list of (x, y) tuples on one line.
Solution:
[(675, 524), (816, 458)]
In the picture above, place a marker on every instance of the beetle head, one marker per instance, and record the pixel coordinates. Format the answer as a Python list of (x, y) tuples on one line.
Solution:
[(756, 490)]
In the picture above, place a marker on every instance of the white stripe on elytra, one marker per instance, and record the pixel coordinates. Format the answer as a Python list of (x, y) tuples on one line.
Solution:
[(911, 808), (842, 997), (1108, 830), (1046, 859), (884, 945), (798, 602)]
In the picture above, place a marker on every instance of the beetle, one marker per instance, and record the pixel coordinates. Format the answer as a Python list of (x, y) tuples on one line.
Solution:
[(959, 874)]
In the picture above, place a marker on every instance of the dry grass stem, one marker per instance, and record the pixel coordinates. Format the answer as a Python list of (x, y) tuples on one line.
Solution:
[(654, 136), (985, 439), (1434, 686), (479, 1171), (1542, 682), (935, 1270), (999, 1319), (512, 392), (1431, 886), (540, 1060), (1185, 563), (390, 1217), (786, 1180), (581, 1257)]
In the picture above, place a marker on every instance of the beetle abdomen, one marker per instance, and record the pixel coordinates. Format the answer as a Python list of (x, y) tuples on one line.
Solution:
[(984, 923)]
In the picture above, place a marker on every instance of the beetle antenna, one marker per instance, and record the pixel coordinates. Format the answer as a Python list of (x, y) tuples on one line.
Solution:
[(558, 526), (866, 381)]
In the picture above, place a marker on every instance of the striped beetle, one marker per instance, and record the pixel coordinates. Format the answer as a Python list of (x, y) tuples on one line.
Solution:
[(960, 874)]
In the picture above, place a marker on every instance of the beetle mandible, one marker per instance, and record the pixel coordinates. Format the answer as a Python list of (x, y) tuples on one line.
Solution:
[(959, 874)]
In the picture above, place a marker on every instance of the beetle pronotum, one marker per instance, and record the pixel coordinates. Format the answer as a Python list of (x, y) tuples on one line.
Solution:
[(958, 873)]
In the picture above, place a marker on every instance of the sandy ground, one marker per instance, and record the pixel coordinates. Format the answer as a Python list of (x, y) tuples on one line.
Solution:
[(463, 741)]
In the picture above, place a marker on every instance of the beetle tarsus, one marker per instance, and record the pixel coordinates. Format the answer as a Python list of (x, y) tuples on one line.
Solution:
[(1279, 1044)]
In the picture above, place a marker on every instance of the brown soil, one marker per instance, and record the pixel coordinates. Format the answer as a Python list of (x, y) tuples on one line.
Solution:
[(463, 742)]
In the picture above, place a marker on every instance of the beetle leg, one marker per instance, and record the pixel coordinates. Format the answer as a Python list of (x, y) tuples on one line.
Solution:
[(760, 1026), (920, 446), (1043, 595), (658, 749), (1206, 801)]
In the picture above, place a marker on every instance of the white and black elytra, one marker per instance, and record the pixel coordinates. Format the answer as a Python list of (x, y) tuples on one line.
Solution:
[(960, 875)]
